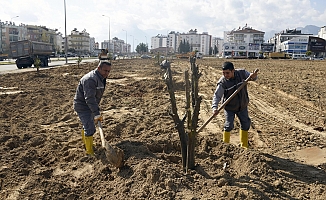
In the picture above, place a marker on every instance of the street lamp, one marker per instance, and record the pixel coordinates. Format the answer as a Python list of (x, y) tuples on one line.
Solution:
[(109, 32), (12, 24), (167, 40), (126, 41), (13, 18), (1, 37), (66, 40), (133, 43)]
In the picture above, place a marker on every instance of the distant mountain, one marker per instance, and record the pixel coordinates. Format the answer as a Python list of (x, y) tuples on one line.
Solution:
[(309, 29), (312, 29)]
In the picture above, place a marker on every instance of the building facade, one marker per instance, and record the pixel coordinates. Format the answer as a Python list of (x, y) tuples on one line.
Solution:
[(242, 42), (322, 32), (283, 36), (79, 41), (197, 42), (117, 46)]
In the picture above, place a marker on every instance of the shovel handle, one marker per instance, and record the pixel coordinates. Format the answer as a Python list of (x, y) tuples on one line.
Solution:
[(228, 100), (101, 133), (203, 126)]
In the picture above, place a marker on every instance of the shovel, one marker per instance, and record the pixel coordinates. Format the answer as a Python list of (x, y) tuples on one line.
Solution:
[(227, 101), (115, 157)]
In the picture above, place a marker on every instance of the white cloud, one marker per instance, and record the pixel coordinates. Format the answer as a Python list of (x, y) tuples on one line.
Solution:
[(149, 18)]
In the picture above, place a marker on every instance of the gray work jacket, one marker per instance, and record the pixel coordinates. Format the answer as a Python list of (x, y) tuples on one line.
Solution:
[(226, 87), (89, 92)]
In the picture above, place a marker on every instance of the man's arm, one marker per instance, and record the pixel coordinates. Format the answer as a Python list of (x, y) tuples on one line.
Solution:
[(218, 94), (89, 94)]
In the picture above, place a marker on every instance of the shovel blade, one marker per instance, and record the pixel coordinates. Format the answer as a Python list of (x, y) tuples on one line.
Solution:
[(114, 156)]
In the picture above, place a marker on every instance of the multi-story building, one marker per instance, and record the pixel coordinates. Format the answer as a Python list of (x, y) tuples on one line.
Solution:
[(79, 41), (158, 41), (217, 44), (171, 42), (198, 42), (116, 45), (322, 32), (10, 32), (91, 45), (283, 36), (243, 42), (298, 46), (295, 46)]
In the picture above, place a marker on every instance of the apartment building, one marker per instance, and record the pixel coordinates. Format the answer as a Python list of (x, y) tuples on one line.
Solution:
[(79, 41), (322, 32), (242, 42), (217, 45), (283, 36), (171, 42), (10, 32), (116, 45)]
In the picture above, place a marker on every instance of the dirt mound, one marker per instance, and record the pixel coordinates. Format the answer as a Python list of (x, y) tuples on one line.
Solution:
[(42, 155)]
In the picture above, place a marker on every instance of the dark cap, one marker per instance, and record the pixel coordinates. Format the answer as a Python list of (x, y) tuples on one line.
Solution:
[(227, 65)]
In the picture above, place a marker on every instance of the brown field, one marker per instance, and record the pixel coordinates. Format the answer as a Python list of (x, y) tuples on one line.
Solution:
[(42, 155)]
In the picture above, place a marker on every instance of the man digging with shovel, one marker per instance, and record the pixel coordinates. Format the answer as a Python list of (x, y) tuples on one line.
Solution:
[(227, 85), (86, 103)]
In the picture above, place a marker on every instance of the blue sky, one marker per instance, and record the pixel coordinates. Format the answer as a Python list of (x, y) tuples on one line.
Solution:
[(143, 19)]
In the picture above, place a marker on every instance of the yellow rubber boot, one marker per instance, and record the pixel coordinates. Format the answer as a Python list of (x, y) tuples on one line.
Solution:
[(83, 136), (89, 145), (226, 137), (244, 139)]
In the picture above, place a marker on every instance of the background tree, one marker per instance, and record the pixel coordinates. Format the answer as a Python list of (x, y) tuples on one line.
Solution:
[(37, 64), (72, 50), (184, 46), (215, 50), (308, 53), (141, 48)]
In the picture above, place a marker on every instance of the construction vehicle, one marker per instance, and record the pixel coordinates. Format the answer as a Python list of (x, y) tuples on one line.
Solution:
[(3, 56), (26, 52), (278, 55), (190, 54)]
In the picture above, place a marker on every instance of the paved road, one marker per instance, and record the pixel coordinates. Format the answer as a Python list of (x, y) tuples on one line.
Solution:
[(12, 68)]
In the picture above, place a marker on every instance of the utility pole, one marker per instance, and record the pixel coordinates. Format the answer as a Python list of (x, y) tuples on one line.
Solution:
[(66, 40), (133, 43), (1, 36), (126, 41), (12, 24), (109, 33)]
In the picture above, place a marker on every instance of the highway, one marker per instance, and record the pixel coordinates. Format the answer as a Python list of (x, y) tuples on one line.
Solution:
[(10, 67)]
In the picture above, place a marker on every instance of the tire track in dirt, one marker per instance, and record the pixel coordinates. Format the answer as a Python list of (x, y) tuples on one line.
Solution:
[(279, 113)]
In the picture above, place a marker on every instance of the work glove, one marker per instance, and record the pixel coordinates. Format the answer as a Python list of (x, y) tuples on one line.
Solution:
[(98, 118)]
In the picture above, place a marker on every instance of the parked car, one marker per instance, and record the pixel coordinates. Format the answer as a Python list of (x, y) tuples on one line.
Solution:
[(318, 58)]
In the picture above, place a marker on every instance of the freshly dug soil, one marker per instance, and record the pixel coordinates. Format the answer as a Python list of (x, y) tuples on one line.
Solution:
[(42, 155)]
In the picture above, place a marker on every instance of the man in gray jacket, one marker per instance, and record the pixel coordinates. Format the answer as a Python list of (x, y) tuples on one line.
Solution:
[(227, 84), (87, 99)]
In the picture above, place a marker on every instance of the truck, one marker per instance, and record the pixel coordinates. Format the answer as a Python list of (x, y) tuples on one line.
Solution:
[(278, 55), (190, 54), (26, 52), (3, 56)]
